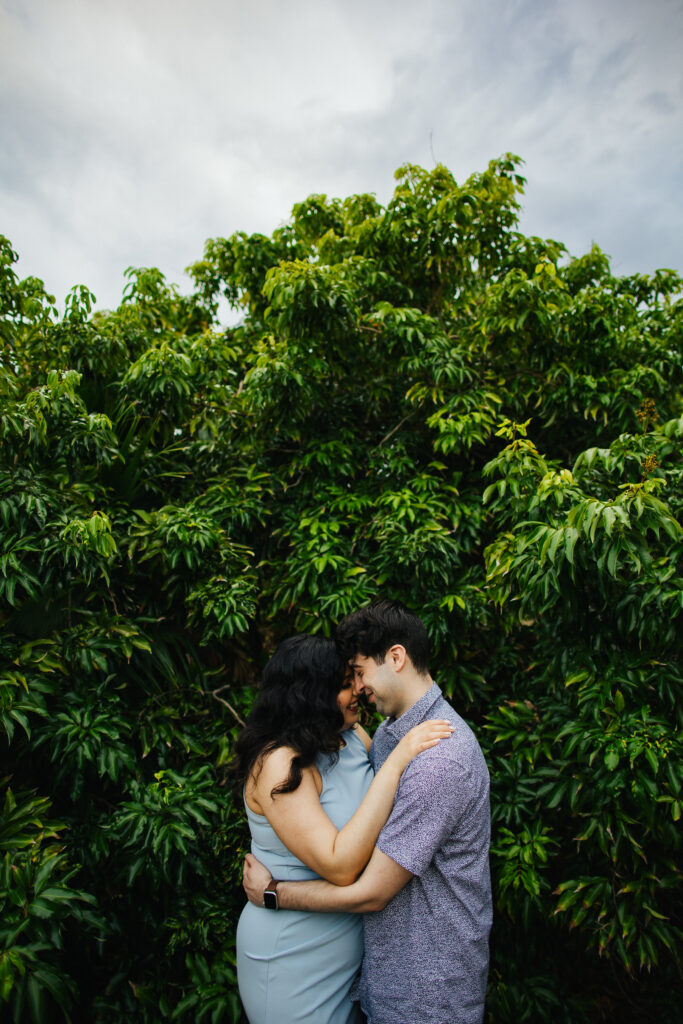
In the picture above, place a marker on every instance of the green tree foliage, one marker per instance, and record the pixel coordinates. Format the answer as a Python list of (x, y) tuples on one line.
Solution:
[(420, 402)]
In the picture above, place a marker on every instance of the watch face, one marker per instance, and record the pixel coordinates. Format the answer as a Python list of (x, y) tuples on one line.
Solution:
[(270, 899)]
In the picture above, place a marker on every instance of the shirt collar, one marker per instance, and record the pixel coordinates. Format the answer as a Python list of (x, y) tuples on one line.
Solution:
[(419, 712)]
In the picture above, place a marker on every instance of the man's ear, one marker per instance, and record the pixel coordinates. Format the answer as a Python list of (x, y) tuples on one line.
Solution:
[(397, 657)]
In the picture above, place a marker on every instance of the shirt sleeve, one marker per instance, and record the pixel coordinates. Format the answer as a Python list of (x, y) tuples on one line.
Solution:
[(431, 797)]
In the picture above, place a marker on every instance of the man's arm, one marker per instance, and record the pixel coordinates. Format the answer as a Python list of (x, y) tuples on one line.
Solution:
[(379, 883)]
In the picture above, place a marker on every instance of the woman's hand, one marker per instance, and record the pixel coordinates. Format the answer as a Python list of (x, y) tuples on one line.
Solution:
[(421, 737)]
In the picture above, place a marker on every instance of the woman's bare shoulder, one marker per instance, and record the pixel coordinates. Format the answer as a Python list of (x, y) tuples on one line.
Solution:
[(272, 769), (273, 764), (364, 736), (278, 757)]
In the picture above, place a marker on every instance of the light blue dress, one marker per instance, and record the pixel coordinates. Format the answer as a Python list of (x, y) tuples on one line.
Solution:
[(294, 966)]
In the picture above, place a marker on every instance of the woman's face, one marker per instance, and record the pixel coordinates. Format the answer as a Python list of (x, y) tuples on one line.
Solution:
[(348, 702)]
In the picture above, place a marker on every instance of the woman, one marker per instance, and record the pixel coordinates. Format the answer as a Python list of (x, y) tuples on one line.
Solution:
[(314, 810)]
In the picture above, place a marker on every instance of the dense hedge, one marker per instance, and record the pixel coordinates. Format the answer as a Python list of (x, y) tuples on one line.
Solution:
[(420, 402)]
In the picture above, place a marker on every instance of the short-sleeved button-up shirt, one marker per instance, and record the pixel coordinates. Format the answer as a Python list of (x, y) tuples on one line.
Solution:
[(426, 953)]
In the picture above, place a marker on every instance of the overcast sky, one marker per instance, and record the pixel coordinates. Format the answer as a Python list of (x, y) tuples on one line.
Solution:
[(133, 130)]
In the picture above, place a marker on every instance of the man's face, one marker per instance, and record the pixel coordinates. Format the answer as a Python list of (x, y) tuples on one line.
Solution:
[(377, 682)]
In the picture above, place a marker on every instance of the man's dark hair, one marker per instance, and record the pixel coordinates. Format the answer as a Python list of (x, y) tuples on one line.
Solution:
[(372, 630)]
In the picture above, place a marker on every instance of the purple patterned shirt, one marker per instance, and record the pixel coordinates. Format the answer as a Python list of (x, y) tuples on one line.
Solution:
[(426, 953)]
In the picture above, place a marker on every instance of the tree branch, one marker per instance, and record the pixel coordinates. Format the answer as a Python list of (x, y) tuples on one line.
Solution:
[(214, 694), (397, 427)]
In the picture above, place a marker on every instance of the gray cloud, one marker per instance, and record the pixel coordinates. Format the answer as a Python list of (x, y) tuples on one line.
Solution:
[(132, 131)]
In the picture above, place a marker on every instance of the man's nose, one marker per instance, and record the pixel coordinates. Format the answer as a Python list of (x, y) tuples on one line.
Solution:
[(357, 686)]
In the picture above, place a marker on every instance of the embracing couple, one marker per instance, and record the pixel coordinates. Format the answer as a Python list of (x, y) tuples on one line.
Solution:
[(362, 850)]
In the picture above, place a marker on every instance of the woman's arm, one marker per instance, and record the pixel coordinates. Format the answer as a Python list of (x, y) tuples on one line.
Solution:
[(300, 821)]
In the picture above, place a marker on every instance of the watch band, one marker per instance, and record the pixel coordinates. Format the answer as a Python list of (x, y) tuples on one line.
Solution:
[(270, 900)]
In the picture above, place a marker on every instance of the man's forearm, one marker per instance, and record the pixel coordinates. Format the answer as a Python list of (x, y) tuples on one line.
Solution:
[(379, 883), (323, 896)]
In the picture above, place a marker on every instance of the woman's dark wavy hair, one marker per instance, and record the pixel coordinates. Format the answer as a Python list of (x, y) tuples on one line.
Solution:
[(296, 707)]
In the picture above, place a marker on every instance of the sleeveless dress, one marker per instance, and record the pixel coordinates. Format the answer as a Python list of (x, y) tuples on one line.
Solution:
[(294, 966)]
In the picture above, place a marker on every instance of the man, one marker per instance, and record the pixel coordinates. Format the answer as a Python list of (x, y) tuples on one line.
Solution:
[(426, 892)]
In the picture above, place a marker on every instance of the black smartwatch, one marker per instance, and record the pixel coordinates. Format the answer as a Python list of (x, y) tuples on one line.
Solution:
[(270, 901)]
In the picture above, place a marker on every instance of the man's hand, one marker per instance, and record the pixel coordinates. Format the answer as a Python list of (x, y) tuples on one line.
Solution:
[(255, 878)]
